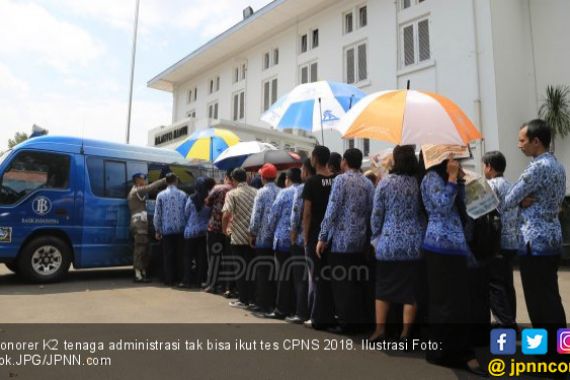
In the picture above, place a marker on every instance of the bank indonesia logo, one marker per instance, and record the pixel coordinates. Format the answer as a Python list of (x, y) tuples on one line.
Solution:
[(41, 206)]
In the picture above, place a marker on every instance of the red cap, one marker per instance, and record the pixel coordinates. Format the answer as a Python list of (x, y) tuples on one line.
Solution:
[(268, 171)]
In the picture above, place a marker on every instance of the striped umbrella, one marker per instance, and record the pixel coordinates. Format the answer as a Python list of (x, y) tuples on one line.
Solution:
[(409, 117), (313, 106), (234, 156), (207, 144)]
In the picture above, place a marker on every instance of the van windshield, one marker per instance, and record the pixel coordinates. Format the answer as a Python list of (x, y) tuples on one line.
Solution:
[(4, 155)]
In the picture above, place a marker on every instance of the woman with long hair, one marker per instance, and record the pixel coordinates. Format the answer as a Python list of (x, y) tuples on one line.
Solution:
[(197, 215), (397, 231)]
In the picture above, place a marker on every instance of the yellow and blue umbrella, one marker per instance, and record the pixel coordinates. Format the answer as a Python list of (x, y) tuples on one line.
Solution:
[(207, 144)]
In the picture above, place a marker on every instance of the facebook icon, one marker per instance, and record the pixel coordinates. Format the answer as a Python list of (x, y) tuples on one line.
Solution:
[(503, 341)]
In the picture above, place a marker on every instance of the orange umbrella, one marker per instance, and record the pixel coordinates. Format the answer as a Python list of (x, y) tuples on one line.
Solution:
[(409, 117)]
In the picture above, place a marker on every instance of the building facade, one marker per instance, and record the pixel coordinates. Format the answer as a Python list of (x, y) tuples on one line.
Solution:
[(493, 58)]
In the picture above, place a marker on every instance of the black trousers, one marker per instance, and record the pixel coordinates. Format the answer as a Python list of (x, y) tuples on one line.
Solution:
[(243, 273), (265, 279), (195, 252), (539, 276), (217, 244), (285, 298), (340, 290), (172, 250), (300, 281), (449, 308), (502, 296)]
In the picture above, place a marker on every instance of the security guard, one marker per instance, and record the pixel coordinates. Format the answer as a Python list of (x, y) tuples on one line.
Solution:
[(139, 223)]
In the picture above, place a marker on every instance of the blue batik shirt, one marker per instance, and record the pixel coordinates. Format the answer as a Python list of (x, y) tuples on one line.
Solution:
[(397, 225), (545, 180), (346, 224), (511, 237), (297, 214), (259, 223), (169, 211), (445, 233), (196, 221), (280, 219)]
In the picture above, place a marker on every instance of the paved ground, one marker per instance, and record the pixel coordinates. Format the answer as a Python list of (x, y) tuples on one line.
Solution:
[(109, 296)]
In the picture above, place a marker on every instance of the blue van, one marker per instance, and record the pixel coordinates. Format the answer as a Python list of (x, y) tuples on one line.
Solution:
[(63, 201)]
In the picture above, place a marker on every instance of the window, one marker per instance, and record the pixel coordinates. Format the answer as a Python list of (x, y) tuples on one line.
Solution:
[(213, 110), (134, 167), (366, 147), (195, 93), (275, 56), (406, 4), (269, 93), (315, 38), (415, 43), (236, 75), (191, 114), (238, 105), (351, 144), (243, 70), (356, 63), (217, 83), (115, 179), (308, 73), (304, 43), (265, 61), (189, 98), (348, 22), (30, 171), (362, 16)]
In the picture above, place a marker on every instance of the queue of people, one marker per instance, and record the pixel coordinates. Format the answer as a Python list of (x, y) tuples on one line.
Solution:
[(337, 249)]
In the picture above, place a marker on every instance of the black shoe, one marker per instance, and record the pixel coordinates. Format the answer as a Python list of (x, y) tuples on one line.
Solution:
[(230, 294), (295, 319), (255, 309), (146, 279), (260, 314)]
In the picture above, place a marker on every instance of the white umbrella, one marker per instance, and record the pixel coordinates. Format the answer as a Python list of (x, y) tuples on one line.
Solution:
[(235, 155)]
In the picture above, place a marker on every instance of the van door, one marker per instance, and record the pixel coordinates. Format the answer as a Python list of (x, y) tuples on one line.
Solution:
[(106, 239)]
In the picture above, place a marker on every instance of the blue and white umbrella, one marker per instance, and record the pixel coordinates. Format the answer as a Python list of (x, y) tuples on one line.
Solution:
[(313, 106), (235, 155)]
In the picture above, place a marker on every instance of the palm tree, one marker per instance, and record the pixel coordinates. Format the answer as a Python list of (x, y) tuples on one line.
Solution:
[(556, 110)]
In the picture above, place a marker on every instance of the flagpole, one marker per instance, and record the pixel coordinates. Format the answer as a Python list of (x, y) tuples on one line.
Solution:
[(134, 50), (321, 119)]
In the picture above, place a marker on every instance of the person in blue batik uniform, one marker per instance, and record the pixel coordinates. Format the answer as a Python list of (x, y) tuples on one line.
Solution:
[(540, 191), (446, 253), (197, 216), (502, 296), (397, 230), (280, 227), (345, 228), (262, 240), (169, 225)]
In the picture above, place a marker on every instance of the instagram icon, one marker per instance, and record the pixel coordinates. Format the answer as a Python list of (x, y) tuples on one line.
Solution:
[(563, 341)]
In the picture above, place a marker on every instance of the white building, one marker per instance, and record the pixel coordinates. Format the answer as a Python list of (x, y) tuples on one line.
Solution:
[(493, 58)]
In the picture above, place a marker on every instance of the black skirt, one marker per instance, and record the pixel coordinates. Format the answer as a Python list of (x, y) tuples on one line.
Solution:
[(396, 281)]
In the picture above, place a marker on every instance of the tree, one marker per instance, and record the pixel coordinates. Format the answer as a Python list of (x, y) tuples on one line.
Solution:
[(18, 138), (556, 110)]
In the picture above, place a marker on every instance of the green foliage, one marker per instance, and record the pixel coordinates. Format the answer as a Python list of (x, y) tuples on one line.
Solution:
[(18, 138), (556, 109)]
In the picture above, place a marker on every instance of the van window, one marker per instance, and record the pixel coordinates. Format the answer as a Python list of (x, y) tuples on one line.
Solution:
[(107, 178), (187, 175), (30, 171)]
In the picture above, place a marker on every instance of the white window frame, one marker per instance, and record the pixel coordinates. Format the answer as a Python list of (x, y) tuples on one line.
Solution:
[(412, 4), (271, 99), (213, 110), (274, 56), (313, 46), (358, 8), (355, 47), (306, 36), (416, 41), (243, 71), (235, 75), (345, 24), (239, 112), (307, 66), (189, 96), (195, 93)]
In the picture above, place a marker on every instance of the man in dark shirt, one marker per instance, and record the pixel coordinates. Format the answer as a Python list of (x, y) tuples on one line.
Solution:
[(315, 197)]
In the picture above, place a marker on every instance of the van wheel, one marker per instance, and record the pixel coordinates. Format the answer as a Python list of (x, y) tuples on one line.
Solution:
[(13, 266), (45, 259)]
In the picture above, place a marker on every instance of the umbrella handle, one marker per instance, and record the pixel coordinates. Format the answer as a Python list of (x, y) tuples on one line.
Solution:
[(321, 119)]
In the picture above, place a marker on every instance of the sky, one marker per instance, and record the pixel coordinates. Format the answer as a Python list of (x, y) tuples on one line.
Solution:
[(65, 64)]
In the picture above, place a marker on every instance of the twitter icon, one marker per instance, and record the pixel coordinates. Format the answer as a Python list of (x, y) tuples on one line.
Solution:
[(534, 341)]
